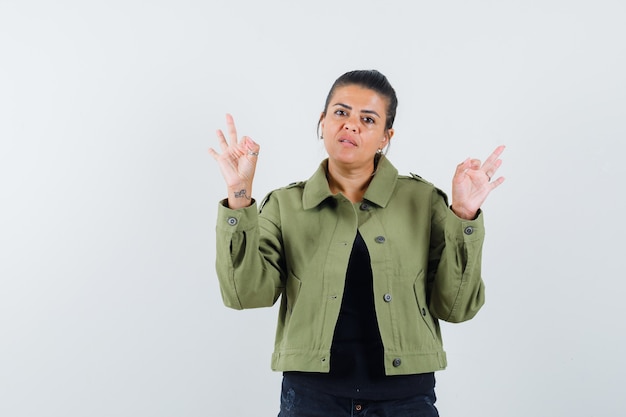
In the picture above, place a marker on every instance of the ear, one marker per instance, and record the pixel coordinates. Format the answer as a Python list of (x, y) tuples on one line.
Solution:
[(388, 136), (321, 120)]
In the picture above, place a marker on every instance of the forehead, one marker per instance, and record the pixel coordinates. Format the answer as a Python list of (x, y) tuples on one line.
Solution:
[(358, 97)]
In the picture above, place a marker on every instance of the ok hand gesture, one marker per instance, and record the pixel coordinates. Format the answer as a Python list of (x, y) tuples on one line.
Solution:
[(237, 163), (472, 184)]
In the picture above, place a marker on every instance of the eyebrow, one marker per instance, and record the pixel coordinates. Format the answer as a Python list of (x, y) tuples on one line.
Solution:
[(362, 111)]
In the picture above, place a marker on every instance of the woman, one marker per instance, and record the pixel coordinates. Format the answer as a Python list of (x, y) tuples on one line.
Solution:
[(365, 261)]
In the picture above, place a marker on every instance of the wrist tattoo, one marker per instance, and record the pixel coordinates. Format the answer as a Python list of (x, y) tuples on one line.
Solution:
[(242, 194)]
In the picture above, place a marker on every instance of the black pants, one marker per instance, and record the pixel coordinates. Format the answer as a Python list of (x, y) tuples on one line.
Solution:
[(300, 401)]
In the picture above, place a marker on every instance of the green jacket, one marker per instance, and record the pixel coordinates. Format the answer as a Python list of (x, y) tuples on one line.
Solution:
[(425, 262)]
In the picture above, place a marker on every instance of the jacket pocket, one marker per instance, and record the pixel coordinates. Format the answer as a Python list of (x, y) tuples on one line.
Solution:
[(419, 288), (293, 289)]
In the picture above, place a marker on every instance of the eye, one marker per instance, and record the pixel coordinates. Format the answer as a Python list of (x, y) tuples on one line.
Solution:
[(368, 120), (340, 112)]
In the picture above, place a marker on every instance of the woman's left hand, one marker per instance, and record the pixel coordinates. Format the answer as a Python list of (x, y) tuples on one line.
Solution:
[(472, 184)]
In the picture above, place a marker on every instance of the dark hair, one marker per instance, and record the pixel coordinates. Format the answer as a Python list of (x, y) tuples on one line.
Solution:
[(372, 80)]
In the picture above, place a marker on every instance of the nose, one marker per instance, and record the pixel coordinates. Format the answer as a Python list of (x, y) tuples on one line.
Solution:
[(351, 124)]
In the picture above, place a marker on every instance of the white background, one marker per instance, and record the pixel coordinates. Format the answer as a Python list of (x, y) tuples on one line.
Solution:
[(109, 303)]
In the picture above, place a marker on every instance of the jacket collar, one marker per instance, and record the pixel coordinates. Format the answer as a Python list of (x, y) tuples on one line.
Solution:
[(316, 189)]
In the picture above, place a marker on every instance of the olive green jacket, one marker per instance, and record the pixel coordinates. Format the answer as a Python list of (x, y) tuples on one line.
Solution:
[(425, 262)]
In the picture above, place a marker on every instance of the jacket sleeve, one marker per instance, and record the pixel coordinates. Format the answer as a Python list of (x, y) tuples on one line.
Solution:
[(456, 287), (248, 258)]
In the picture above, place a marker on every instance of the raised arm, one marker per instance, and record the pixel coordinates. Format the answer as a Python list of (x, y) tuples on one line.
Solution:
[(237, 163)]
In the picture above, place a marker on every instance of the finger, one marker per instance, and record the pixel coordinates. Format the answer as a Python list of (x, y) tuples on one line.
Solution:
[(492, 163), (214, 154), (461, 169), (494, 156), (463, 166), (251, 146), (232, 130), (495, 183), (222, 140), (492, 168), (491, 171), (472, 166)]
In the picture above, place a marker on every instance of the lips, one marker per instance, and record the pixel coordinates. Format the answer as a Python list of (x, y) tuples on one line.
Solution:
[(347, 141)]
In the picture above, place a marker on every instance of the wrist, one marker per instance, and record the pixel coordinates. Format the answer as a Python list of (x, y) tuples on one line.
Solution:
[(239, 197), (463, 214)]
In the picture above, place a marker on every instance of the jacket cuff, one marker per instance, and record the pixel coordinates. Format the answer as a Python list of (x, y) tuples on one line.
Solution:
[(465, 230), (230, 220)]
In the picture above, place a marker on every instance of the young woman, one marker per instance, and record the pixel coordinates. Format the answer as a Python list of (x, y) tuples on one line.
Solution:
[(364, 261)]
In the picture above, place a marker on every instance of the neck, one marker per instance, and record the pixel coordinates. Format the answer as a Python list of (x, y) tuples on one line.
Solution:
[(350, 182)]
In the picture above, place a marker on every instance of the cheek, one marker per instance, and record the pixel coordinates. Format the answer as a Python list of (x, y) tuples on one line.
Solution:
[(327, 131)]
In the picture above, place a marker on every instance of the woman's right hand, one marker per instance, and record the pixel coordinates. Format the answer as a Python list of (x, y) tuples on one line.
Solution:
[(237, 163)]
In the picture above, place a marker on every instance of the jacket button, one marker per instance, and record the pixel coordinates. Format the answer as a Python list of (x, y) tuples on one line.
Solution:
[(468, 230), (365, 206), (423, 311), (397, 362), (380, 239), (232, 221), (387, 297)]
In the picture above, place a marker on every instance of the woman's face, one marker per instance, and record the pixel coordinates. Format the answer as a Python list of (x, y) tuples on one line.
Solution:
[(354, 126)]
